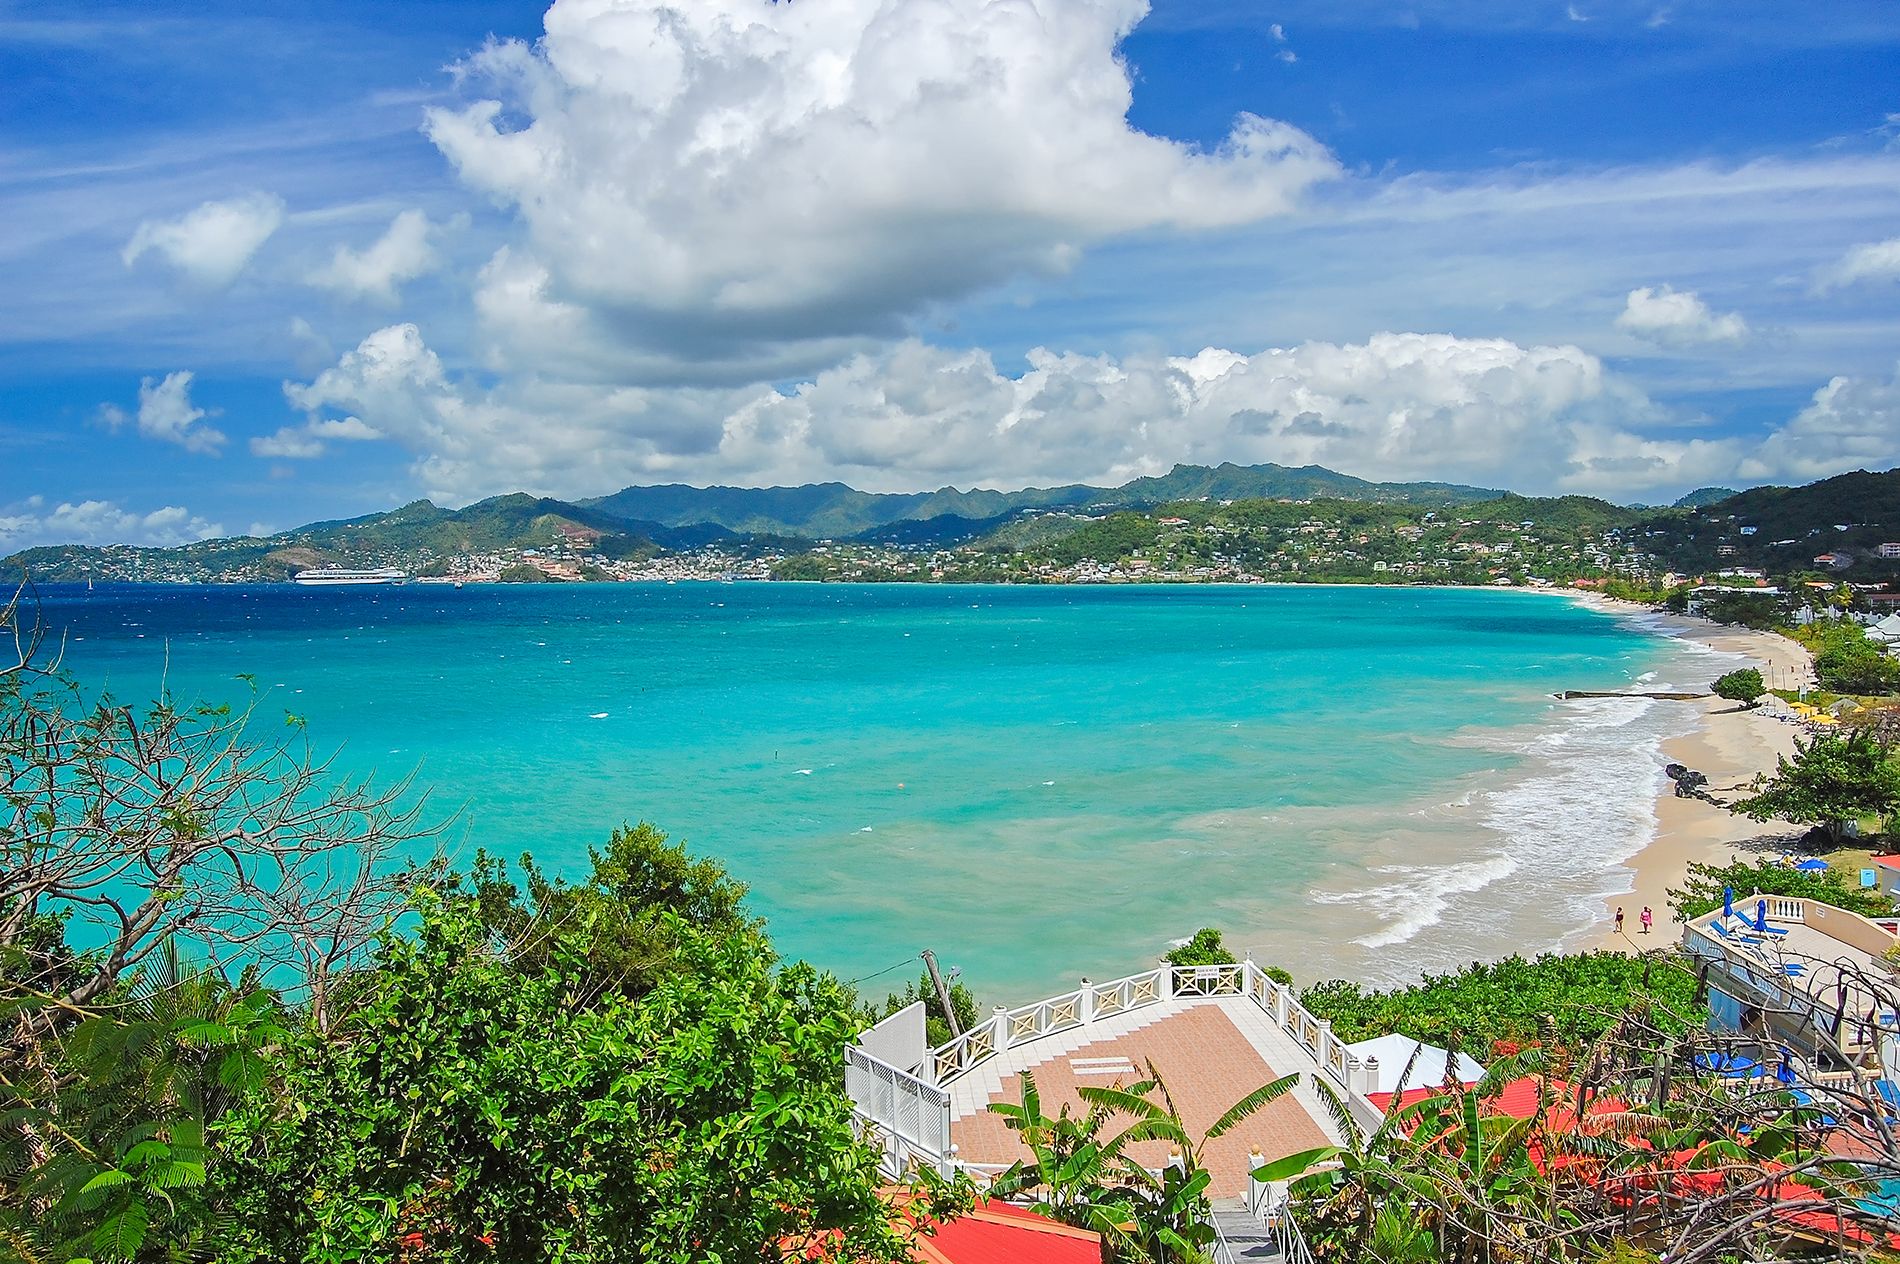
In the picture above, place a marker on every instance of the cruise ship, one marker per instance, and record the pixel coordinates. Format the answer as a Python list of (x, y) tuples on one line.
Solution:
[(330, 576)]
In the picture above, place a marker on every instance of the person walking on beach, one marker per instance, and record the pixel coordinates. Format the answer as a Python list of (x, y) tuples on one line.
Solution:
[(1619, 919), (1647, 918)]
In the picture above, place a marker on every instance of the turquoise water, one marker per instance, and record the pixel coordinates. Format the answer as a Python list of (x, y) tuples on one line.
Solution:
[(1036, 782)]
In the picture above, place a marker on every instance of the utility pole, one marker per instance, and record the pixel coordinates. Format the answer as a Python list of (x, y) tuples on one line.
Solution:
[(943, 994)]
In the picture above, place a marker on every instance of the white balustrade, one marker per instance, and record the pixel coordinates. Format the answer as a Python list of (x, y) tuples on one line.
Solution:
[(909, 1117), (1044, 1018)]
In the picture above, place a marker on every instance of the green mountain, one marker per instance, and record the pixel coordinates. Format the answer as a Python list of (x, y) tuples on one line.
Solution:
[(835, 511), (1783, 529), (412, 536), (1704, 496)]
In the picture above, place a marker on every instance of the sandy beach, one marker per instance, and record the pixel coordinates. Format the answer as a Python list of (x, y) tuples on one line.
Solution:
[(1730, 746)]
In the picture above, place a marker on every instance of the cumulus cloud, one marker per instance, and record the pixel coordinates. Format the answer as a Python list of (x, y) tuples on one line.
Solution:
[(726, 174), (1678, 318), (30, 524), (312, 439), (1400, 405), (213, 244), (166, 412), (404, 252), (1871, 261), (1851, 423)]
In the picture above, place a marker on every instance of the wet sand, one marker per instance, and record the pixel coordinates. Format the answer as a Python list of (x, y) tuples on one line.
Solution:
[(1730, 746)]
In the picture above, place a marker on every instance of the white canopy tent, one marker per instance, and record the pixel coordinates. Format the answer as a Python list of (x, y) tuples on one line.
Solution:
[(1395, 1052)]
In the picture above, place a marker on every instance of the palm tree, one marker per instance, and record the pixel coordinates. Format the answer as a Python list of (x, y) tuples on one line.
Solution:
[(1089, 1180)]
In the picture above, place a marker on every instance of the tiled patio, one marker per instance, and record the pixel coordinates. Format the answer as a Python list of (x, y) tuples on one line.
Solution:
[(1210, 1053)]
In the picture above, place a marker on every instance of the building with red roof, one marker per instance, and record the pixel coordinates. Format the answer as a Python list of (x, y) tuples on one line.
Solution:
[(997, 1233)]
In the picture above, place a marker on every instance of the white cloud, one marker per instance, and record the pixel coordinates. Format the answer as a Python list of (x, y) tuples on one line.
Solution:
[(30, 524), (403, 253), (312, 439), (712, 177), (1397, 406), (1851, 423), (1678, 318), (213, 244), (1871, 261), (166, 412)]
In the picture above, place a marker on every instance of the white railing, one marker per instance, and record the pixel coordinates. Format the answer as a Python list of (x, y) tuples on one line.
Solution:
[(1044, 1018), (1008, 1028), (1122, 995), (1211, 980), (1784, 909), (908, 1118), (974, 1046), (1285, 1231)]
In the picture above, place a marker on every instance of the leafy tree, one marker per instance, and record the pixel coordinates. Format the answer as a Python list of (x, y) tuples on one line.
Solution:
[(481, 1108), (643, 900), (1833, 780), (1856, 666), (936, 1026), (1744, 608), (1701, 891), (1742, 685), (1204, 949)]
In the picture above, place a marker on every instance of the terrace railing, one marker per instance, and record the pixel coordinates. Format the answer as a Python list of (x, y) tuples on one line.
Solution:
[(1091, 1003), (1044, 1018), (908, 1117)]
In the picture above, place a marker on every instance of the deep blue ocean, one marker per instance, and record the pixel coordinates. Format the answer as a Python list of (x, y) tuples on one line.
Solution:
[(1038, 783)]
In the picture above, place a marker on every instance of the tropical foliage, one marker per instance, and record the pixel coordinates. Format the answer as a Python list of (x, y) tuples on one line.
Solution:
[(1081, 1171), (1832, 781), (1845, 661), (1203, 949), (1569, 999), (493, 1103), (936, 1025), (408, 1065), (1703, 890)]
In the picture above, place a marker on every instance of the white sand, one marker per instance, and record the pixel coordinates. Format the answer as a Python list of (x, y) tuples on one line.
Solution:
[(1731, 745)]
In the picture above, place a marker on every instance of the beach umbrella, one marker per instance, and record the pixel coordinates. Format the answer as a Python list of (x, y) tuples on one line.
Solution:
[(1761, 915), (1728, 903), (1812, 865)]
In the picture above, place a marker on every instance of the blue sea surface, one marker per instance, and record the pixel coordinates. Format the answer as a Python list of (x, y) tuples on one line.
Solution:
[(1037, 782)]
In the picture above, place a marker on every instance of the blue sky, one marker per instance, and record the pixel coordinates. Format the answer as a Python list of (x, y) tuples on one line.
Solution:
[(263, 268)]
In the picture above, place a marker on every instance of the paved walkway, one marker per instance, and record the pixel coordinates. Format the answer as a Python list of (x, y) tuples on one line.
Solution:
[(1210, 1053)]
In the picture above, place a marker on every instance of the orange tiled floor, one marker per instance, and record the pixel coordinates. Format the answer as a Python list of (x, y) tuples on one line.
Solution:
[(1208, 1066)]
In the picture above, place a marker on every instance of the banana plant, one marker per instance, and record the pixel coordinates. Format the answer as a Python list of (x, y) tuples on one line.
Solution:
[(1081, 1172)]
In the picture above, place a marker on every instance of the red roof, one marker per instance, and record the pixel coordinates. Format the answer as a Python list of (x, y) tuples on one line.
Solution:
[(996, 1233), (1888, 862), (1517, 1099)]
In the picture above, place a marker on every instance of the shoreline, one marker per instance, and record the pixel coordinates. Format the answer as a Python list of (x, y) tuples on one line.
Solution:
[(1730, 745)]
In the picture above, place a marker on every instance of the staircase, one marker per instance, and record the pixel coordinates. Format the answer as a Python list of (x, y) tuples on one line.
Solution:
[(1244, 1237)]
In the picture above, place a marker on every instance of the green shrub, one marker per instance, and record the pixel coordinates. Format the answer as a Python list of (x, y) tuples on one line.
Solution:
[(1742, 685), (1205, 949), (1574, 998)]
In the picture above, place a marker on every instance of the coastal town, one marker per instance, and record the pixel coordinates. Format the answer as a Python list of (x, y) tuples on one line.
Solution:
[(1512, 542)]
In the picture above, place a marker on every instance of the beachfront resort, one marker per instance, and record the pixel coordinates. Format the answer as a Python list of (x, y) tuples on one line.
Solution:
[(1797, 1001)]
